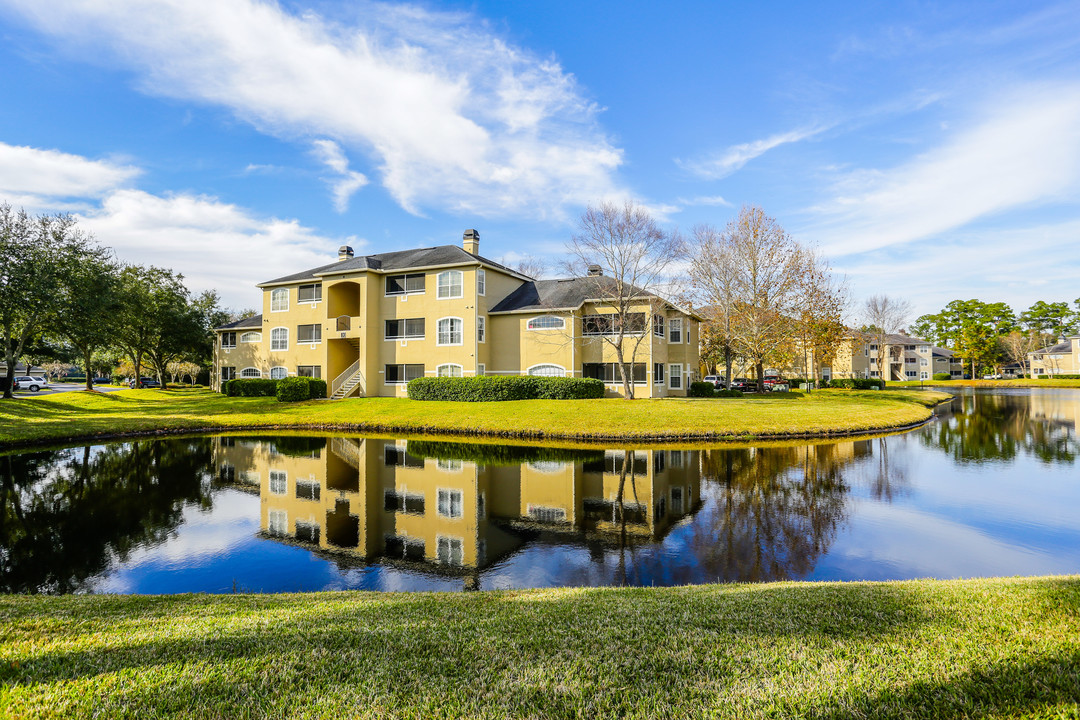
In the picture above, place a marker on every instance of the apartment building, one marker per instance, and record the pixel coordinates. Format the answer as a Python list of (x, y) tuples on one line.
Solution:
[(378, 500), (370, 324), (1061, 358), (906, 358)]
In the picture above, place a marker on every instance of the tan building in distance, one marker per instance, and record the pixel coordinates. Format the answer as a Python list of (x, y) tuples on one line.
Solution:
[(907, 358), (370, 324), (1062, 358)]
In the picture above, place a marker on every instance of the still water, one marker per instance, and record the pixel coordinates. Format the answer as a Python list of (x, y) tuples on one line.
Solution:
[(990, 487)]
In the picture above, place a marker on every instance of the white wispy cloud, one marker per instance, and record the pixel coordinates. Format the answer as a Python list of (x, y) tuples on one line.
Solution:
[(728, 161), (347, 181), (451, 115), (36, 178), (1025, 149)]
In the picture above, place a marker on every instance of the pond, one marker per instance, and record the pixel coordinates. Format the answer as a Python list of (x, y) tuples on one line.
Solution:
[(990, 487)]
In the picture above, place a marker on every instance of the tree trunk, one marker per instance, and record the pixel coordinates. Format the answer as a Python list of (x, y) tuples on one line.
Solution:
[(89, 372), (759, 368), (728, 361)]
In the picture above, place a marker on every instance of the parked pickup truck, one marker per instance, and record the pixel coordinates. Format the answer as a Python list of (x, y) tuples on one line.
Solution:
[(775, 383)]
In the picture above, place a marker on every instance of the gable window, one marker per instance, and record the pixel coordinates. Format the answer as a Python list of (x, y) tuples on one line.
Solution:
[(278, 373), (228, 339), (251, 337), (279, 300), (279, 339), (411, 284), (448, 370), (449, 331), (481, 329), (450, 284), (250, 372), (547, 371), (481, 282), (309, 293), (309, 333), (675, 328), (311, 371), (546, 322), (400, 374), (658, 326), (675, 376), (405, 329)]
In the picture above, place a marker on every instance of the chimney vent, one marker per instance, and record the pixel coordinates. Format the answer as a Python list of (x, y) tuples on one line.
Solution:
[(471, 241), (595, 270), (344, 253)]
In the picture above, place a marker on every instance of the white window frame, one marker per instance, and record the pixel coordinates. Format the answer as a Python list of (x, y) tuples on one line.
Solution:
[(277, 522), (560, 368), (675, 372), (278, 476), (450, 332), (659, 326), (449, 286), (310, 302), (481, 282), (313, 343), (224, 335), (546, 318), (450, 550), (481, 368), (449, 367), (481, 328), (449, 493), (250, 339), (675, 325), (275, 295), (250, 377), (274, 341), (282, 368)]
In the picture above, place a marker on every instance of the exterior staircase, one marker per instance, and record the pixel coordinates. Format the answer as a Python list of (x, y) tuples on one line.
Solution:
[(345, 384)]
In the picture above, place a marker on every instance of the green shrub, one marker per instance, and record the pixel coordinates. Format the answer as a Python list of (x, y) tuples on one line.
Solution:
[(293, 389), (251, 387), (942, 376), (317, 388), (727, 393), (495, 388), (1061, 377), (702, 389), (857, 383)]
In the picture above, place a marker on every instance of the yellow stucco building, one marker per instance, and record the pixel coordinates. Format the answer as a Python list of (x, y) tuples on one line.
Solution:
[(370, 324), (1061, 358)]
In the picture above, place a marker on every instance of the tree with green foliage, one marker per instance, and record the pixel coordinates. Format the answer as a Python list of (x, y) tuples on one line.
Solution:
[(87, 305), (1054, 319)]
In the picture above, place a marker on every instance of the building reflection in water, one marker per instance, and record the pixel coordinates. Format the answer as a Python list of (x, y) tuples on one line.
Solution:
[(455, 508)]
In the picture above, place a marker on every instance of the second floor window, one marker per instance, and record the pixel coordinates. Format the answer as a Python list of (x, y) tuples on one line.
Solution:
[(610, 324), (405, 284), (658, 326), (405, 329), (309, 333), (675, 328), (481, 282), (309, 293), (279, 300), (228, 340), (279, 339), (546, 322), (251, 337), (449, 332), (481, 329), (450, 284)]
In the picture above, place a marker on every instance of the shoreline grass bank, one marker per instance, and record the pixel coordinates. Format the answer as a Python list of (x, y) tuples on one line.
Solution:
[(827, 413), (1048, 383), (1006, 647)]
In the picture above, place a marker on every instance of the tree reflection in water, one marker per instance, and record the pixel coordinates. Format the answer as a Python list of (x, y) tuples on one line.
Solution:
[(65, 515)]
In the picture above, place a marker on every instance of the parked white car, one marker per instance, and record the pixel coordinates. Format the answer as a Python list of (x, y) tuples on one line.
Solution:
[(33, 384)]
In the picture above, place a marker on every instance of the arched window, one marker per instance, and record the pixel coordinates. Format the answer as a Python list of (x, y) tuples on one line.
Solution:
[(450, 284), (250, 372), (277, 373), (547, 466), (548, 370), (251, 337), (279, 300), (279, 338), (449, 331), (546, 322), (448, 370)]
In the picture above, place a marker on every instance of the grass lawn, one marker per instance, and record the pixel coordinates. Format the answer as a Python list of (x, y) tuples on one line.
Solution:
[(1028, 383), (82, 415), (920, 649)]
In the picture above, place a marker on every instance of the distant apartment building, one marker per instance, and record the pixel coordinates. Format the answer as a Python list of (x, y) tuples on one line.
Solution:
[(370, 324), (856, 356), (1061, 358)]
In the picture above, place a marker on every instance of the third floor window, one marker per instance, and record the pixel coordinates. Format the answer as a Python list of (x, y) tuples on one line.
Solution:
[(410, 284)]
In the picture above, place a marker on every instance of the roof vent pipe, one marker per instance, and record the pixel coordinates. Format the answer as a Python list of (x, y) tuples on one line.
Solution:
[(344, 253), (595, 270), (471, 241)]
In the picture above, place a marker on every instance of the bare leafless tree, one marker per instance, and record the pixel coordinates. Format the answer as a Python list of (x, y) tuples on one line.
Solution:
[(823, 302), (884, 316), (712, 277), (629, 256), (1018, 345)]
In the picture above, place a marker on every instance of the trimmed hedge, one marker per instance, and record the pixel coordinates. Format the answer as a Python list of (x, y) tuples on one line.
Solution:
[(702, 389), (496, 388), (293, 389), (942, 376), (1059, 377), (858, 383), (727, 393), (251, 387), (316, 388)]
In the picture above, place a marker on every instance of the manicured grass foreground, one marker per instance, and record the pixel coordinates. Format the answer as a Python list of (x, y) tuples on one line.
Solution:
[(83, 414), (920, 649)]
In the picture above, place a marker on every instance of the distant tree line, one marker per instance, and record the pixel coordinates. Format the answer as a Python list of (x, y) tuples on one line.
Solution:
[(989, 335), (64, 298)]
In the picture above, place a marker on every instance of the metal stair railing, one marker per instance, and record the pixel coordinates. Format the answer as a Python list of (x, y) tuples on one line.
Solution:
[(344, 377)]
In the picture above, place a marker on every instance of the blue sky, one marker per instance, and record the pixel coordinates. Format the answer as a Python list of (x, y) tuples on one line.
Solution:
[(932, 151)]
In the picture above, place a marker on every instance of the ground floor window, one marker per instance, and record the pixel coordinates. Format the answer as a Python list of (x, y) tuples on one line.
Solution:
[(450, 551), (448, 370), (925, 376), (675, 373), (658, 373), (311, 371), (399, 374), (548, 370), (911, 373), (278, 373), (611, 372), (250, 373), (228, 373)]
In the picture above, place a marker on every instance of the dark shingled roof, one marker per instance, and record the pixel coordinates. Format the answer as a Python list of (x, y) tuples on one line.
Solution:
[(399, 260), (255, 321), (1059, 348), (555, 294)]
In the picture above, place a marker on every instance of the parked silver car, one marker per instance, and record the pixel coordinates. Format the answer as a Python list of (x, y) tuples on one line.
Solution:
[(33, 384)]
